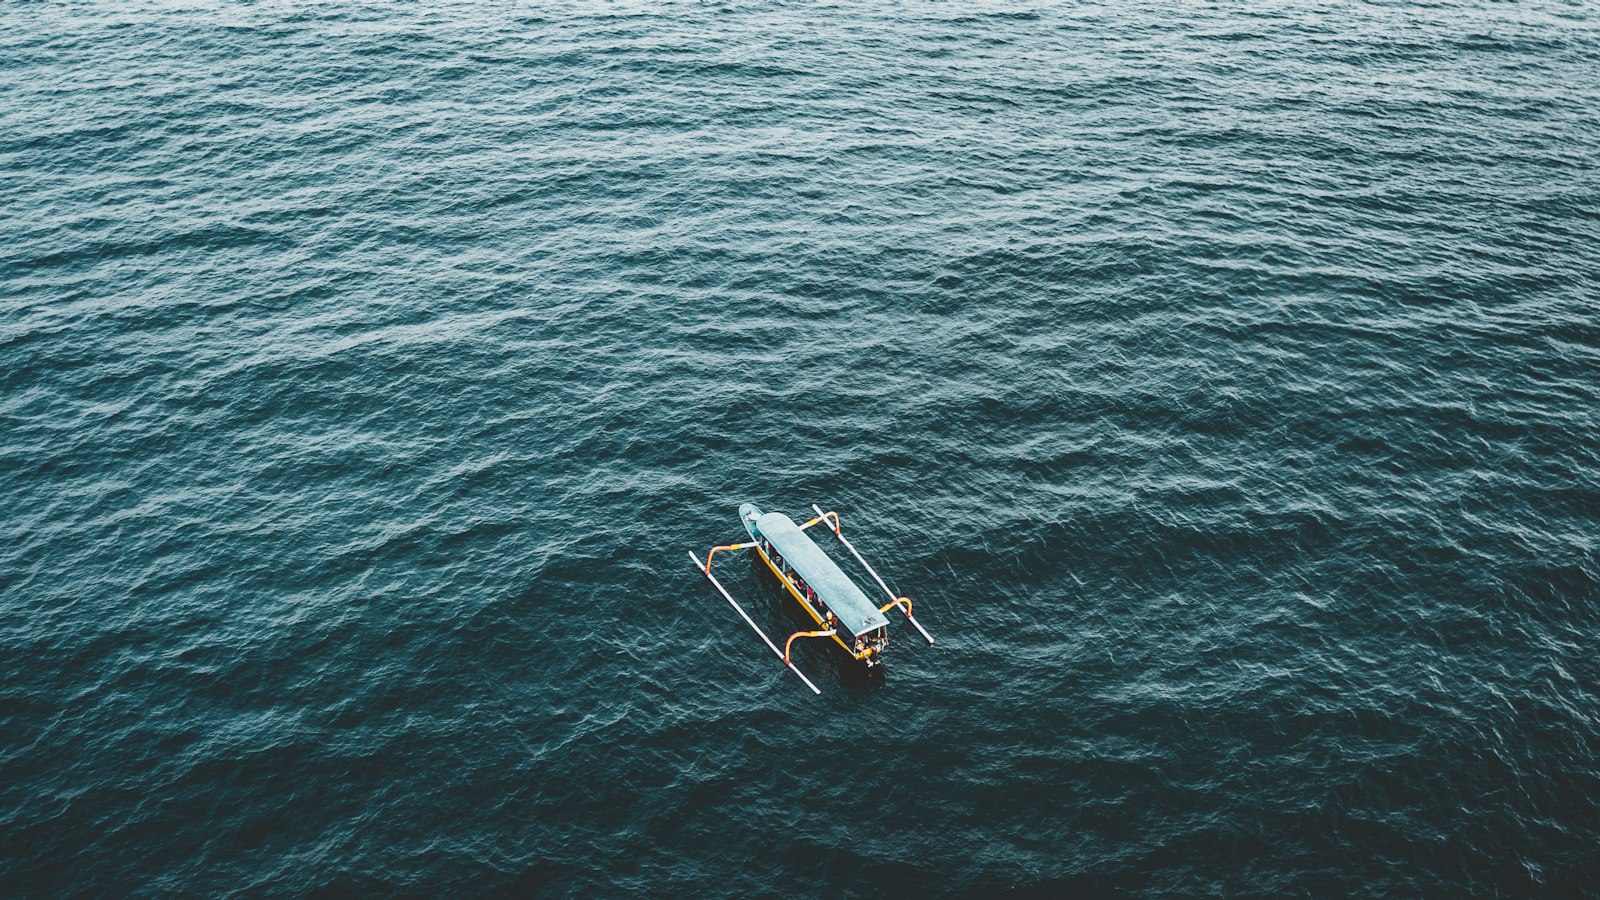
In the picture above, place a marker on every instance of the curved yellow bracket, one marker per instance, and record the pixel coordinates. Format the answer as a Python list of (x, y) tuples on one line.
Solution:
[(804, 634), (823, 518), (910, 618), (745, 546), (888, 606)]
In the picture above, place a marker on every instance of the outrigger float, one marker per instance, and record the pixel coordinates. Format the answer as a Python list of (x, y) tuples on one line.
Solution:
[(813, 579)]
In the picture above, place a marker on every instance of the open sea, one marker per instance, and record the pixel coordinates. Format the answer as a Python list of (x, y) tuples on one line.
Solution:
[(1220, 380)]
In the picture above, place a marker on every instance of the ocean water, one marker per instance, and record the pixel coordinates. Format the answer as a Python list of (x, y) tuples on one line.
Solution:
[(1222, 382)]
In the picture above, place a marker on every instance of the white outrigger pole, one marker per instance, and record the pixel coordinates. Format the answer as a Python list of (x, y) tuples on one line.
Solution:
[(706, 568), (838, 533)]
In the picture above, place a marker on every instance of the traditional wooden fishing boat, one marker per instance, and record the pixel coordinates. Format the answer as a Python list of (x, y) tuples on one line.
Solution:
[(823, 590)]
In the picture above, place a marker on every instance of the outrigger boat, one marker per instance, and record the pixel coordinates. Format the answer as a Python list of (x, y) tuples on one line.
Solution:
[(813, 579)]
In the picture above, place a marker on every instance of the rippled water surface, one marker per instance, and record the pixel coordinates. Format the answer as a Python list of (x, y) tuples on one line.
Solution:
[(1221, 381)]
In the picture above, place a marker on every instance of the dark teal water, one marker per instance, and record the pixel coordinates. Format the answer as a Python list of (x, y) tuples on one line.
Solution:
[(1221, 381)]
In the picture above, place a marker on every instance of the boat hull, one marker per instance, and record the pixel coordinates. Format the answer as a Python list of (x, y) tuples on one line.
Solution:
[(748, 514)]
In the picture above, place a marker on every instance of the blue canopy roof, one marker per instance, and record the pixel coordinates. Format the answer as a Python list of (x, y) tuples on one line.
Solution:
[(854, 610)]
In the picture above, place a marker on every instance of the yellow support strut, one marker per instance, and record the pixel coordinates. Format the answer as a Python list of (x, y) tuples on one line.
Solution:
[(888, 606), (713, 552), (824, 517), (804, 634)]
